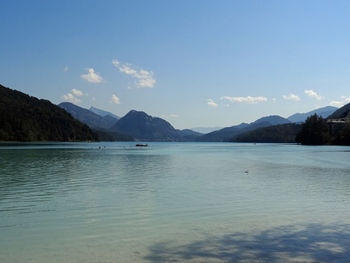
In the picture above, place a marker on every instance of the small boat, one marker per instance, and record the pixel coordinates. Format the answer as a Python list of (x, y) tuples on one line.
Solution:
[(141, 145)]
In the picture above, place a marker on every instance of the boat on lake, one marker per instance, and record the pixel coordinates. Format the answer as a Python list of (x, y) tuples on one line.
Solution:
[(141, 145)]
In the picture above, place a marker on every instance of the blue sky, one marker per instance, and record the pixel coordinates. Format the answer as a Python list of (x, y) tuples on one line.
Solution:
[(194, 63)]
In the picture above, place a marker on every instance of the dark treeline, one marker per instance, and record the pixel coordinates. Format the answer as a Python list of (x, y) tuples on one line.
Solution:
[(317, 131), (26, 118), (104, 135), (285, 133)]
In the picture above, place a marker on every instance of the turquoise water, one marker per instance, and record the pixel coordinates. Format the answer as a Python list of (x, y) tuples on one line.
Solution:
[(174, 202)]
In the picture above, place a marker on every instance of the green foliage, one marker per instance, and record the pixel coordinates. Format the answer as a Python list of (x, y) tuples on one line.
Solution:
[(314, 131), (26, 118)]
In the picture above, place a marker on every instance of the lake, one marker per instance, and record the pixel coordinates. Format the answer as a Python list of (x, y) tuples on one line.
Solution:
[(174, 202)]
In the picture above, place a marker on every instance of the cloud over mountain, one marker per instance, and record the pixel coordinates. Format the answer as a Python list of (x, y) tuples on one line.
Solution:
[(72, 96), (143, 78)]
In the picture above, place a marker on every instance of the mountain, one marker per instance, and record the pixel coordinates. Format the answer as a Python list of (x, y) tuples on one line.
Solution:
[(188, 135), (341, 113), (107, 122), (103, 113), (285, 133), (88, 117), (135, 124), (270, 120), (142, 126), (226, 133), (205, 130), (222, 134), (323, 112), (26, 118), (188, 132)]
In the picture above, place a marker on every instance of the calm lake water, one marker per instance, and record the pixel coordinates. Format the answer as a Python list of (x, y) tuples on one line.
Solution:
[(174, 202)]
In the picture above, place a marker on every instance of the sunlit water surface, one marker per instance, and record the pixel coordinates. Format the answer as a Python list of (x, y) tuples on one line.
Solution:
[(176, 202)]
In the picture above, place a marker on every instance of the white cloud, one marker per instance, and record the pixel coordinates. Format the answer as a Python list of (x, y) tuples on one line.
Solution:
[(65, 69), (143, 78), (291, 96), (248, 99), (336, 103), (274, 100), (312, 94), (77, 92), (92, 76), (339, 103), (71, 98), (115, 99), (174, 115), (211, 103)]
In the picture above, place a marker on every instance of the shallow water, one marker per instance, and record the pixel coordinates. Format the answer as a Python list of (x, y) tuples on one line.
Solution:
[(175, 202)]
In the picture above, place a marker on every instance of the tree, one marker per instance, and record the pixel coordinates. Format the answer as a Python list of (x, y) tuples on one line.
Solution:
[(314, 131)]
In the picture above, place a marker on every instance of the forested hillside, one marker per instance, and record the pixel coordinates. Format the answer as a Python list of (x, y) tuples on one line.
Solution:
[(26, 118), (319, 131), (284, 133)]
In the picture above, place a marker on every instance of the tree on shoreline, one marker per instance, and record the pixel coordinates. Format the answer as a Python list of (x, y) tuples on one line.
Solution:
[(314, 132)]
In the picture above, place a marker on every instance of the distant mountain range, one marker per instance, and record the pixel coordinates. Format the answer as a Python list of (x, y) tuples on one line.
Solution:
[(142, 126), (205, 130), (316, 130), (135, 124), (102, 121), (226, 134), (26, 118), (323, 112), (103, 113)]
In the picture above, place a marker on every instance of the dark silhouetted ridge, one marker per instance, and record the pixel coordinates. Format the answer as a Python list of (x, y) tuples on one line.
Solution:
[(26, 118)]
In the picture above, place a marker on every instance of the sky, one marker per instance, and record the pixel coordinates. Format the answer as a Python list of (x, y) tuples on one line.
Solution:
[(194, 63)]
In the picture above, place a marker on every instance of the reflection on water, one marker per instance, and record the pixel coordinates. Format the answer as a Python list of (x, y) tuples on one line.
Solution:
[(175, 202)]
